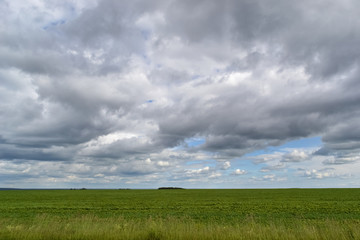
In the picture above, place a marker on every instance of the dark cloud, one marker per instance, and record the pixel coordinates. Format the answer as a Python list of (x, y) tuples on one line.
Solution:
[(205, 20), (20, 153)]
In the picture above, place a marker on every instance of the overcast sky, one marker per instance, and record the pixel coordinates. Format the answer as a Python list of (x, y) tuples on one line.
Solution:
[(195, 94)]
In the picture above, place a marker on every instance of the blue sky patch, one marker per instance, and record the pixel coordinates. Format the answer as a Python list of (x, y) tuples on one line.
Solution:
[(193, 142)]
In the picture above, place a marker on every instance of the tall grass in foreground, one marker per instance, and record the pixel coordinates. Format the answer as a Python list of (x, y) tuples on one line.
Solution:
[(93, 227)]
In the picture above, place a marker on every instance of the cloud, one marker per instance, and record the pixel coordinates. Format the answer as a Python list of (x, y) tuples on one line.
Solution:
[(121, 82), (226, 165), (279, 166), (286, 155), (268, 178), (239, 172), (204, 174), (320, 174), (341, 160), (295, 156)]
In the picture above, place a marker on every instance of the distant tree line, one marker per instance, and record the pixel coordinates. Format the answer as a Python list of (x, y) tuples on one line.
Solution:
[(168, 188)]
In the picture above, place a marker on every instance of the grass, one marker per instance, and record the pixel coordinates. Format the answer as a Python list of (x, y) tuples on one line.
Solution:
[(180, 214)]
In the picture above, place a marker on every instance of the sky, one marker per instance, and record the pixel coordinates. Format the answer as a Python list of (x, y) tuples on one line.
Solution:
[(180, 93)]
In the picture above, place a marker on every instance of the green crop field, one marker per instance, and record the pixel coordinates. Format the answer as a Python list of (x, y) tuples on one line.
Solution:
[(180, 214)]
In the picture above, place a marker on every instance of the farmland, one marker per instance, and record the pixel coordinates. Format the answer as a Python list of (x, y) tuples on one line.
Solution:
[(180, 214)]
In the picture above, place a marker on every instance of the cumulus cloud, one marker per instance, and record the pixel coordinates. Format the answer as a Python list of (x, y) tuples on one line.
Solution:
[(226, 165), (112, 82), (320, 174), (295, 156), (239, 172), (278, 159)]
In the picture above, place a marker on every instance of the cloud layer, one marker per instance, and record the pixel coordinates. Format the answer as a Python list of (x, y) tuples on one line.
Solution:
[(107, 93)]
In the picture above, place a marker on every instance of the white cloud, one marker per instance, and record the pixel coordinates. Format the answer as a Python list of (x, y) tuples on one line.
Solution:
[(239, 172), (295, 156), (269, 178), (163, 163), (319, 174), (226, 165)]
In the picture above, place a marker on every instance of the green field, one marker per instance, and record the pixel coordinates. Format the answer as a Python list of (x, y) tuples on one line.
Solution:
[(180, 214)]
